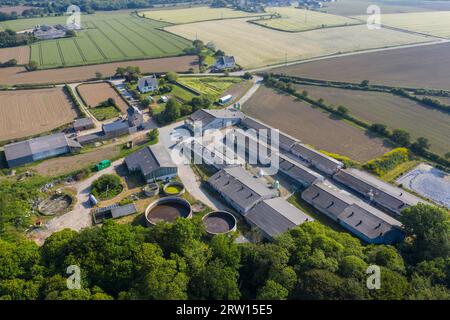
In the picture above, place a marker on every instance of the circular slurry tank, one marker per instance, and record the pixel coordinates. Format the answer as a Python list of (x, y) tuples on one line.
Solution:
[(173, 188), (168, 210), (55, 204), (150, 190), (219, 222)]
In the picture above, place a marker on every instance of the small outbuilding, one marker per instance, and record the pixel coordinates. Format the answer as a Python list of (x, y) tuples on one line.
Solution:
[(83, 124)]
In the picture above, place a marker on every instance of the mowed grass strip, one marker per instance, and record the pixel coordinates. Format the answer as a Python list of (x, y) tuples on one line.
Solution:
[(313, 126), (255, 46), (295, 20), (188, 15), (393, 111)]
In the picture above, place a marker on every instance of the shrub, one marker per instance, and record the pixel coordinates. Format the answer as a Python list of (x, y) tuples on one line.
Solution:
[(106, 187), (388, 161)]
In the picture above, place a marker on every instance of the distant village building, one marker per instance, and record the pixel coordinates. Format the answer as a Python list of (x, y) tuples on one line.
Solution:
[(46, 32), (225, 62), (147, 84), (83, 124), (153, 162), (35, 149)]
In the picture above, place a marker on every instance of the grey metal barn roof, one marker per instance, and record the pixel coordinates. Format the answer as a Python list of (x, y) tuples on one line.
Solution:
[(284, 139), (83, 122), (117, 210), (150, 159), (203, 116), (298, 171), (384, 193), (207, 116), (344, 207), (238, 185), (315, 157), (38, 145), (275, 216), (115, 126)]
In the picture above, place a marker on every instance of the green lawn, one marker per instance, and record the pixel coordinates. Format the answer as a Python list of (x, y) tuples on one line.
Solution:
[(211, 86), (104, 113), (105, 37)]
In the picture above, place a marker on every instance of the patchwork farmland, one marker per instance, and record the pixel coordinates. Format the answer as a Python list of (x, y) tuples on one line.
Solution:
[(105, 37), (96, 93), (393, 111), (295, 20), (25, 113), (425, 67), (18, 75), (255, 46), (312, 126), (188, 15), (211, 86)]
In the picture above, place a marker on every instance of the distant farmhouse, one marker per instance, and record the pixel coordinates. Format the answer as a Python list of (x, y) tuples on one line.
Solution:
[(147, 84), (32, 150), (46, 32), (153, 162), (225, 62)]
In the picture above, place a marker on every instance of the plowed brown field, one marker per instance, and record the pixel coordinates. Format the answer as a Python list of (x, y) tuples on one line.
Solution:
[(95, 93)]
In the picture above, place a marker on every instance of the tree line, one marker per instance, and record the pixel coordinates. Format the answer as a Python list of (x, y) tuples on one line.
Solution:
[(179, 261)]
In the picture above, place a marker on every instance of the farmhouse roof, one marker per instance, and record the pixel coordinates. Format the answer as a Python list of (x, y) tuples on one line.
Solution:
[(238, 185), (385, 194), (150, 159), (38, 145), (224, 60), (275, 216), (83, 122), (148, 81)]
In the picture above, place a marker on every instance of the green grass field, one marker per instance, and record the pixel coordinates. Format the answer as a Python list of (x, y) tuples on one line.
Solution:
[(295, 20), (211, 86), (104, 113), (105, 37), (188, 15)]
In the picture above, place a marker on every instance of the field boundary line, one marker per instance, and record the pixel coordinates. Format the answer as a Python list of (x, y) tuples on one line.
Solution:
[(96, 45), (141, 36), (79, 50), (41, 60), (129, 40), (172, 40), (60, 53), (112, 42)]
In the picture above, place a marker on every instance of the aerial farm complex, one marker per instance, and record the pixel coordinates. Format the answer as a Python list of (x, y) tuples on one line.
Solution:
[(171, 145)]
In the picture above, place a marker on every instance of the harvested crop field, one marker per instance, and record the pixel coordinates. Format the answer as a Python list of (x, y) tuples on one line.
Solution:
[(435, 23), (188, 15), (293, 19), (312, 126), (18, 75), (21, 54), (25, 113), (255, 46), (96, 93), (421, 67), (393, 111)]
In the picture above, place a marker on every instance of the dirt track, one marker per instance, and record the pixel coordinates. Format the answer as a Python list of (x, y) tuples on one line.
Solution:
[(18, 75)]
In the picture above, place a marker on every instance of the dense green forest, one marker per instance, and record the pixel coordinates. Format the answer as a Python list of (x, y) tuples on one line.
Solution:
[(178, 261)]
